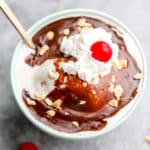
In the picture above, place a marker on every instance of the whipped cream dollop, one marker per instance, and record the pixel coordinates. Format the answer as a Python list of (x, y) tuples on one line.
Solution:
[(86, 67)]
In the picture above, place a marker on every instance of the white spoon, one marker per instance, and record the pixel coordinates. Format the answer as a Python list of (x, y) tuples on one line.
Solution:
[(7, 11)]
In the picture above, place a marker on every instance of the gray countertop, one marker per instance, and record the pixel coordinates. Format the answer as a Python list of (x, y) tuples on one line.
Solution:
[(15, 128)]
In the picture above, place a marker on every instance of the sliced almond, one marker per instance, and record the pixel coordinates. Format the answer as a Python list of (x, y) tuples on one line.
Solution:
[(93, 91), (137, 76), (120, 64), (62, 86), (118, 90), (53, 75), (113, 103), (38, 96), (82, 102), (48, 101), (87, 28), (66, 113), (65, 79), (117, 65), (124, 63), (147, 138), (51, 113), (79, 29), (88, 24), (81, 22), (84, 84), (113, 78), (44, 49), (50, 35), (75, 123), (57, 104), (66, 31), (30, 102)]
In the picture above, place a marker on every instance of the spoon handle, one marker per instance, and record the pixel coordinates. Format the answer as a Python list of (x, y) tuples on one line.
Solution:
[(7, 11)]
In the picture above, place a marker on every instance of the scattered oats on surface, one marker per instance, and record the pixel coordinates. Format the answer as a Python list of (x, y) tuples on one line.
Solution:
[(81, 22), (118, 90), (57, 104), (85, 84), (75, 123), (66, 31), (51, 113), (44, 49), (30, 102), (53, 75), (38, 96), (147, 138), (113, 78), (48, 101), (82, 102), (50, 35), (137, 76), (113, 103)]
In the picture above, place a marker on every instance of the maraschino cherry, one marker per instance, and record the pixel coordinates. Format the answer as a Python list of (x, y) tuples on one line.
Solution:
[(101, 51), (28, 146)]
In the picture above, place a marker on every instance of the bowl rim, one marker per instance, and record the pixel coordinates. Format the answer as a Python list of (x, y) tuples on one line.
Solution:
[(41, 125)]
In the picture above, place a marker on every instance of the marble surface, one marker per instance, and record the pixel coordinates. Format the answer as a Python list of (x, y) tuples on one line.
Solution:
[(15, 128)]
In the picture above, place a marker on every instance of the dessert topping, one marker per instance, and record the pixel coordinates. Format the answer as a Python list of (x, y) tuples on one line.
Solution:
[(82, 102), (113, 78), (38, 96), (118, 91), (48, 101), (66, 31), (30, 102), (120, 64), (81, 22), (53, 75), (93, 91), (75, 123), (57, 104), (84, 84), (113, 103), (50, 35), (79, 46), (101, 51), (137, 76), (51, 113), (66, 113), (44, 49)]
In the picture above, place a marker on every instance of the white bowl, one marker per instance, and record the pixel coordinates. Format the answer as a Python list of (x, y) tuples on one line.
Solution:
[(114, 121)]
